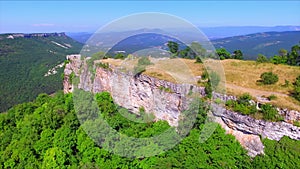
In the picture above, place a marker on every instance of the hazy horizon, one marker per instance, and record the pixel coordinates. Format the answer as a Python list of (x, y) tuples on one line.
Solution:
[(78, 16)]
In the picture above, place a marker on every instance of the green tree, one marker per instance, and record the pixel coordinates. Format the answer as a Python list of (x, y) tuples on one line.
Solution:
[(262, 58), (223, 53), (279, 59), (282, 52), (173, 47), (237, 54), (293, 57)]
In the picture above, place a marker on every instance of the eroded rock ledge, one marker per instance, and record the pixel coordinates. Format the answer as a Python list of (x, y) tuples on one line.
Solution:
[(145, 91)]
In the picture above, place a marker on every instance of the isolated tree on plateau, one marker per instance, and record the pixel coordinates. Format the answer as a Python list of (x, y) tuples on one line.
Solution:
[(293, 57), (237, 54), (262, 58), (223, 54)]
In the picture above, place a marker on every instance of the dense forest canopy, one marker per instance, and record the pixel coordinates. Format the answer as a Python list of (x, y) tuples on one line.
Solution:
[(46, 133), (25, 60)]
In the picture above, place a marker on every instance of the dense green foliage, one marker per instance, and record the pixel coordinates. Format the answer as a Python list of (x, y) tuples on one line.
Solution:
[(25, 61), (270, 113), (282, 154), (47, 134), (242, 105), (268, 78)]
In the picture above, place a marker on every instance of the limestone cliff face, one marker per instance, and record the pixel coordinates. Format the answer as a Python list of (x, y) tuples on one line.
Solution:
[(134, 92)]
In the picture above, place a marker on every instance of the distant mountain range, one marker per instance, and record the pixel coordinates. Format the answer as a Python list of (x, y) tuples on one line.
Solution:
[(31, 64), (138, 43), (267, 43), (211, 32), (223, 32)]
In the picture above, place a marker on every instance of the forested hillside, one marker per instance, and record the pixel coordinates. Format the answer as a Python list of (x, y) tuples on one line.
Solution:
[(267, 43), (46, 133), (24, 61)]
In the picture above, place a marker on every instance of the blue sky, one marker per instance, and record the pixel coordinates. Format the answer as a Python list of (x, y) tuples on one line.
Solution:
[(79, 16)]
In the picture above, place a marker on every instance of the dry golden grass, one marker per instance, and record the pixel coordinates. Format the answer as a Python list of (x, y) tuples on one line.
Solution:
[(246, 74), (240, 76)]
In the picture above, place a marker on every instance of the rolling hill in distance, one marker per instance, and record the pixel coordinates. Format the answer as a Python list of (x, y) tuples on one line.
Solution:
[(251, 40), (31, 64), (211, 32), (267, 43)]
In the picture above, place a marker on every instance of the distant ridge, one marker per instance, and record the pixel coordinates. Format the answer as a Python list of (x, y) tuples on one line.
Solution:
[(29, 35), (266, 43)]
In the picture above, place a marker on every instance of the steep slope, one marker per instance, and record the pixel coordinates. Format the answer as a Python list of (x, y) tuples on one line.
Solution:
[(267, 43), (25, 60)]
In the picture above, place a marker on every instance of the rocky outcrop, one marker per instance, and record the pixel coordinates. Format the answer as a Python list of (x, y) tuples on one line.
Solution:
[(247, 130), (134, 92)]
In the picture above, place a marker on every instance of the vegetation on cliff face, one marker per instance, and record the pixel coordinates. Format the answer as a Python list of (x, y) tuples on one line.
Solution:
[(23, 63), (46, 133)]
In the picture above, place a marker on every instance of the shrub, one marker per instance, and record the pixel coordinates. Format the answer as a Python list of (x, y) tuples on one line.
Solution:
[(245, 99), (139, 69), (165, 89), (204, 75), (268, 78), (208, 90), (120, 56), (262, 59), (242, 108), (103, 65), (144, 61), (272, 97), (297, 123), (270, 113), (198, 59), (218, 101), (286, 83)]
